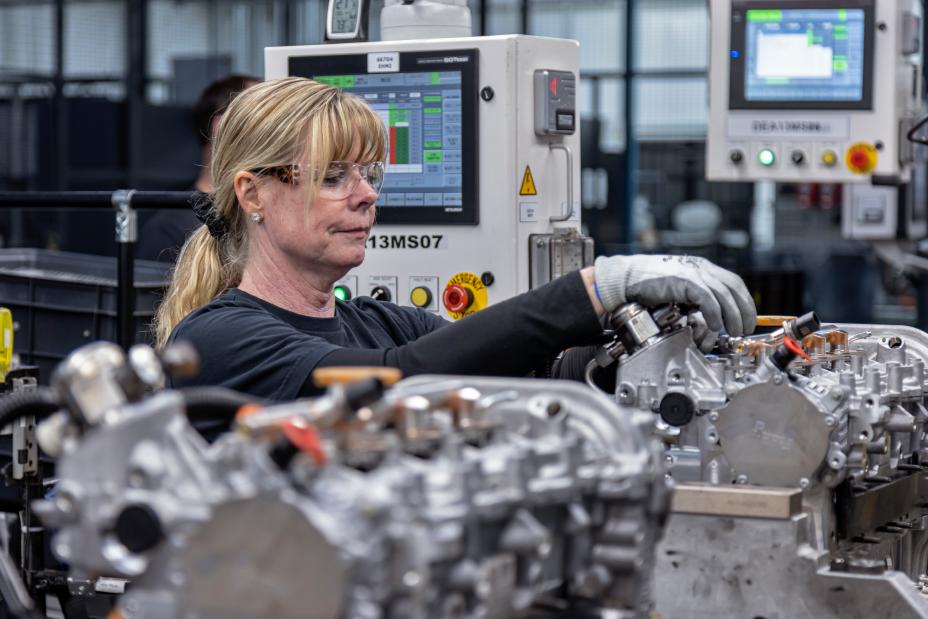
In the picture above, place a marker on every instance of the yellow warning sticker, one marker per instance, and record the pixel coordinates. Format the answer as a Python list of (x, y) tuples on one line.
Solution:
[(528, 184)]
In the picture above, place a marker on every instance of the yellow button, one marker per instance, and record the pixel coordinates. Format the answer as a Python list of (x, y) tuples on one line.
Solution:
[(829, 158), (421, 296)]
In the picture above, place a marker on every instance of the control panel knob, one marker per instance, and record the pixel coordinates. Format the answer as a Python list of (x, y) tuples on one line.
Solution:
[(420, 296), (798, 157), (736, 156), (381, 293), (457, 298)]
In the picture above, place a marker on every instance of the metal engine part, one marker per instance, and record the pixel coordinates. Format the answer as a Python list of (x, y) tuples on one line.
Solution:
[(446, 497), (842, 422)]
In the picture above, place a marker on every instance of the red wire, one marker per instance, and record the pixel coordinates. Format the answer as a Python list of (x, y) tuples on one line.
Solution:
[(306, 439), (795, 348)]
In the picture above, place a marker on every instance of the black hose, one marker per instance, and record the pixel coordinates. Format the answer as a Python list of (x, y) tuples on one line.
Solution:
[(40, 403), (215, 403)]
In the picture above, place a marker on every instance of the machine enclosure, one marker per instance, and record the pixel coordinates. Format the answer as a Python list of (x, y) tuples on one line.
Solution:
[(896, 93)]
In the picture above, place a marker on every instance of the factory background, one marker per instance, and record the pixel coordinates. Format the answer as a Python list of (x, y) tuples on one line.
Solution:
[(96, 95)]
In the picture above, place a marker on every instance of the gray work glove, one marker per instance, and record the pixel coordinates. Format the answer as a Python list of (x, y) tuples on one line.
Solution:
[(705, 338), (654, 280)]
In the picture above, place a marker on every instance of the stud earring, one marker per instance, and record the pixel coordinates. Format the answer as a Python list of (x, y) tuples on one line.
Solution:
[(257, 217)]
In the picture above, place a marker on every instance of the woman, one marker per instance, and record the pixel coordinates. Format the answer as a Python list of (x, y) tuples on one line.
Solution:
[(297, 170)]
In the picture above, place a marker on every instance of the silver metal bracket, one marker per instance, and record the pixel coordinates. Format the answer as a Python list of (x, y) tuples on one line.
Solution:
[(25, 449), (127, 225)]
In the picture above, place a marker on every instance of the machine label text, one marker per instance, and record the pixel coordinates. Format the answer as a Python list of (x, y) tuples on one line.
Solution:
[(405, 241), (383, 62), (788, 127)]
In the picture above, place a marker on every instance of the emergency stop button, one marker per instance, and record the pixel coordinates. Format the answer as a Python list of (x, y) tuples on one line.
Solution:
[(457, 298), (465, 293), (861, 158)]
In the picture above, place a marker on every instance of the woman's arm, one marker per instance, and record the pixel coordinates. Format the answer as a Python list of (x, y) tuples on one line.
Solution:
[(505, 339)]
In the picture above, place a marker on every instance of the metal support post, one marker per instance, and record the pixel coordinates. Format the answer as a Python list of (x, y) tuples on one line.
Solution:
[(631, 139), (126, 237)]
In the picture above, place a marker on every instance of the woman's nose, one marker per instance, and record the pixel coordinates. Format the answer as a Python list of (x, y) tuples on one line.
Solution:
[(363, 194)]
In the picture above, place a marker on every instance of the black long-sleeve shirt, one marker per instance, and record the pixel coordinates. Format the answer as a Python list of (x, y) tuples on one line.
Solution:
[(250, 345)]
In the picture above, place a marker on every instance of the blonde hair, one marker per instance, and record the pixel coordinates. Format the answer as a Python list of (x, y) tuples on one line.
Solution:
[(268, 124)]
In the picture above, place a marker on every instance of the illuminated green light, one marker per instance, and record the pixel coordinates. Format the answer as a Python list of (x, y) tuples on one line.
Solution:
[(342, 293), (766, 157)]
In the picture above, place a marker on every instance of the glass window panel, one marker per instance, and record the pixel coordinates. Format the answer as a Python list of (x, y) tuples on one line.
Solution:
[(232, 32), (27, 38), (176, 30), (503, 17), (596, 24), (308, 21), (612, 115), (671, 108), (94, 39), (671, 34)]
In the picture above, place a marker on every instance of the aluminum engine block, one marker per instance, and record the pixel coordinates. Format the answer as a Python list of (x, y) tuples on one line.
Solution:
[(841, 422), (445, 497)]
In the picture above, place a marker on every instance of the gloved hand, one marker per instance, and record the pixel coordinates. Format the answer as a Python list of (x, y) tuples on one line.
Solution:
[(654, 280), (705, 338)]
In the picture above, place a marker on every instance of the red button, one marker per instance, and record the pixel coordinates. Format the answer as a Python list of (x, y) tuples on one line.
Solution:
[(860, 159), (552, 86), (457, 298)]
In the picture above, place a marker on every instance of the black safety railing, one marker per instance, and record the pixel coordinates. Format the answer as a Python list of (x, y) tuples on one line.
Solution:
[(125, 203)]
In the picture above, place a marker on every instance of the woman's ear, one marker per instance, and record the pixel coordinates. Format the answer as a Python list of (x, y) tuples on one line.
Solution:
[(246, 190)]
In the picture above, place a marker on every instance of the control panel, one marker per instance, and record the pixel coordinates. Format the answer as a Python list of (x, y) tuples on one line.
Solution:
[(813, 91)]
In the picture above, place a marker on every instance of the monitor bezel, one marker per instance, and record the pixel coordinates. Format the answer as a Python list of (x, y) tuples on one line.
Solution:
[(737, 57), (463, 60)]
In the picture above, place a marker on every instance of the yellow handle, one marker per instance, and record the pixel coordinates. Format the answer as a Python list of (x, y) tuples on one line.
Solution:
[(773, 321), (326, 377), (6, 342)]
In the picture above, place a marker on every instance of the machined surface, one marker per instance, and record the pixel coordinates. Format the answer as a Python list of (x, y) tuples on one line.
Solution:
[(773, 434), (710, 567)]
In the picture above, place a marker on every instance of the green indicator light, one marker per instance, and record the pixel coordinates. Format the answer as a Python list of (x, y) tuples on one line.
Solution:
[(766, 157), (342, 293)]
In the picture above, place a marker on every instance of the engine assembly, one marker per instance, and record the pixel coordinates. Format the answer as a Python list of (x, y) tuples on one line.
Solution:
[(799, 462), (797, 459), (441, 497)]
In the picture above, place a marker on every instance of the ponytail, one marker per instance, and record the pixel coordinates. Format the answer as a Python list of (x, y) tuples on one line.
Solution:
[(200, 275)]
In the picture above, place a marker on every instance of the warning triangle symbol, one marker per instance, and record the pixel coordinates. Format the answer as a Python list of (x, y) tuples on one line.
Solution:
[(528, 184)]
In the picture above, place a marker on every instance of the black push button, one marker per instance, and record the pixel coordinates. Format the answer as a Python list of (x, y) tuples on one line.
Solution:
[(565, 121)]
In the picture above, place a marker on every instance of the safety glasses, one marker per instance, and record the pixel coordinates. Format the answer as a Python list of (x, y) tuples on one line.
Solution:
[(340, 180)]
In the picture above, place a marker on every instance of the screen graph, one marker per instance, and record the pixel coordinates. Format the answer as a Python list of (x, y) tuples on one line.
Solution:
[(804, 55), (421, 112)]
